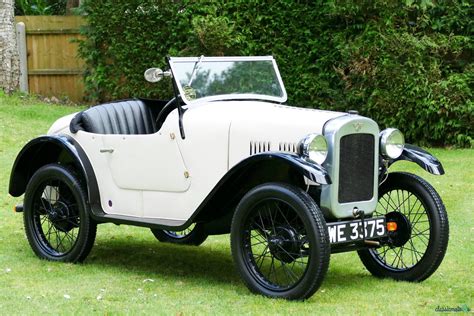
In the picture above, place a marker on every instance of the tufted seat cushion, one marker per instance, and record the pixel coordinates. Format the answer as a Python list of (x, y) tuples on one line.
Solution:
[(122, 117)]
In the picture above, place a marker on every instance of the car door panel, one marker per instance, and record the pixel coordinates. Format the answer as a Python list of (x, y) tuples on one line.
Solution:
[(146, 163)]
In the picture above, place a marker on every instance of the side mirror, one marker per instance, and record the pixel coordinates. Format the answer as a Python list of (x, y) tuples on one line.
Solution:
[(156, 74)]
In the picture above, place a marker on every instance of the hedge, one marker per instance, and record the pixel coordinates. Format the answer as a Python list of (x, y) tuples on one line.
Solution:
[(407, 63)]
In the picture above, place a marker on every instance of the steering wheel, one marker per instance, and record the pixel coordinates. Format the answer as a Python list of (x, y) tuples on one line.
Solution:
[(160, 118)]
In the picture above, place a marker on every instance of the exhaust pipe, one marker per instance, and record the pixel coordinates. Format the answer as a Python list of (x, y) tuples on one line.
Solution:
[(372, 243)]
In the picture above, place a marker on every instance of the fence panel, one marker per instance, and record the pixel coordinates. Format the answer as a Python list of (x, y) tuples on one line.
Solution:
[(54, 68)]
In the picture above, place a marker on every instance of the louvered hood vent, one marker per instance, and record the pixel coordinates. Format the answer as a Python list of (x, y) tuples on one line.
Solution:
[(288, 147), (259, 147)]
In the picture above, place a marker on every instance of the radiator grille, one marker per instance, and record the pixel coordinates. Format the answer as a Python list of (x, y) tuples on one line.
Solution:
[(356, 168)]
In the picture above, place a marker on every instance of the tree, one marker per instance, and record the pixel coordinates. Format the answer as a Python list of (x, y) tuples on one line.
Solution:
[(9, 60)]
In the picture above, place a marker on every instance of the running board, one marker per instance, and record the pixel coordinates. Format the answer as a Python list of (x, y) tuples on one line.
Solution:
[(155, 223)]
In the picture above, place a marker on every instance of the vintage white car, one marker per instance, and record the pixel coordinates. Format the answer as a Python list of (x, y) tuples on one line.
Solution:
[(225, 155)]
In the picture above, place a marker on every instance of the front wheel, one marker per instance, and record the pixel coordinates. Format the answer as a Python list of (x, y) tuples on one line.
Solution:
[(279, 242), (194, 235), (415, 250)]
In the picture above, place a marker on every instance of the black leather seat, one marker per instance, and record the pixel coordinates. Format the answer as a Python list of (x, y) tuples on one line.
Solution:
[(122, 117)]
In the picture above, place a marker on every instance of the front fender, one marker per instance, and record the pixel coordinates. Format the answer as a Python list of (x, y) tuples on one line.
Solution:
[(312, 171), (421, 157), (217, 208)]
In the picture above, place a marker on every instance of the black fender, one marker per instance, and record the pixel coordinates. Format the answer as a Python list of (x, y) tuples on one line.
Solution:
[(217, 207), (310, 170), (51, 149), (421, 157)]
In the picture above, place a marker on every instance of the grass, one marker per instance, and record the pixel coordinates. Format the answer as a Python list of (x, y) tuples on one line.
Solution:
[(129, 272)]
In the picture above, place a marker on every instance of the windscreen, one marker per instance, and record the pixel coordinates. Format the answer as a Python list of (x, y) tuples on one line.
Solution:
[(224, 78)]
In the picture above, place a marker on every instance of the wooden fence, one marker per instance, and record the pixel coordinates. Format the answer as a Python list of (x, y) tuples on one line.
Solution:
[(53, 65)]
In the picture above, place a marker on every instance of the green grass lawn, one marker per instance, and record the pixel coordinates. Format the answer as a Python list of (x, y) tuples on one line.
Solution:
[(129, 272)]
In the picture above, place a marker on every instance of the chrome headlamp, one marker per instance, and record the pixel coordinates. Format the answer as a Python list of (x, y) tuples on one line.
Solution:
[(392, 143), (314, 147)]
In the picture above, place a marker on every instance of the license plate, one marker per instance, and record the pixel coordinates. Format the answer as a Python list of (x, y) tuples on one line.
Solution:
[(349, 231)]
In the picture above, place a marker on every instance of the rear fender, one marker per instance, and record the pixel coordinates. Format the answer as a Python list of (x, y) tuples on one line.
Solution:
[(51, 149)]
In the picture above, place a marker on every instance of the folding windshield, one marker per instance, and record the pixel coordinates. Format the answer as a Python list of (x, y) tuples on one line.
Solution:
[(227, 78)]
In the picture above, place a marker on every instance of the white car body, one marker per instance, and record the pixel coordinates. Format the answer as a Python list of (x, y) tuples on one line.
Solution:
[(165, 177)]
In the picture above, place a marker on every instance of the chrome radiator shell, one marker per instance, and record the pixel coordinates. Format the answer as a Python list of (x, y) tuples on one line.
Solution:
[(334, 131)]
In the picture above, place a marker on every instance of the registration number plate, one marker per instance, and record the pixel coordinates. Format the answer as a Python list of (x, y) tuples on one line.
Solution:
[(349, 231)]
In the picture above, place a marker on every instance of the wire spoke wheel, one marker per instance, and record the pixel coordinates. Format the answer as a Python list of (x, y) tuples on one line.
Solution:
[(194, 235), (412, 251), (417, 247), (277, 245), (57, 224), (56, 217), (279, 241), (180, 234)]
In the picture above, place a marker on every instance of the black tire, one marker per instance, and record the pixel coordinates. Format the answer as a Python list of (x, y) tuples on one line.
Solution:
[(194, 235), (56, 215), (420, 253), (288, 225)]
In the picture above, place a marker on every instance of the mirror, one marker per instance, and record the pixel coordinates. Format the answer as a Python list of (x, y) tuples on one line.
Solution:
[(156, 74)]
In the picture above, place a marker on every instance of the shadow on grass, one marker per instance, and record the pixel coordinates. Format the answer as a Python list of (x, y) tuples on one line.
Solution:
[(203, 264), (165, 260), (340, 278)]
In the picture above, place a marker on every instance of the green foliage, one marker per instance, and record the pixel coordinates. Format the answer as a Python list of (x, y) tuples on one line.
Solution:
[(40, 7), (406, 64)]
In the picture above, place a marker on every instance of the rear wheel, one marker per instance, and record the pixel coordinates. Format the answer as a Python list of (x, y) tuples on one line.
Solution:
[(279, 242), (56, 218), (193, 235), (415, 250)]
